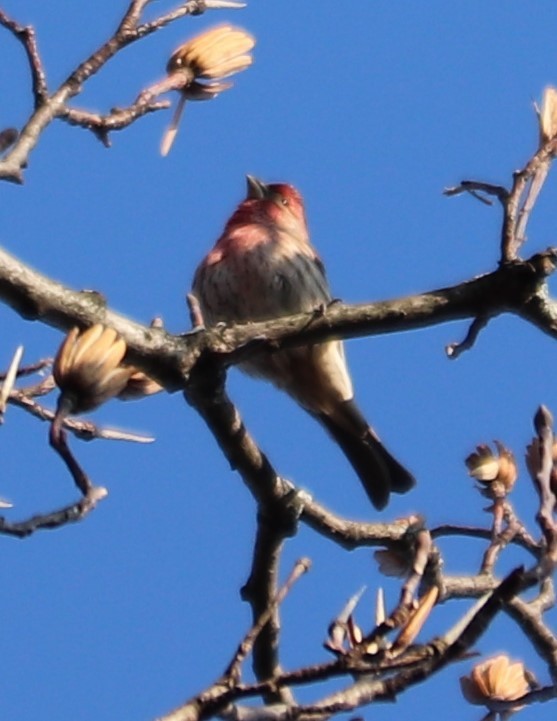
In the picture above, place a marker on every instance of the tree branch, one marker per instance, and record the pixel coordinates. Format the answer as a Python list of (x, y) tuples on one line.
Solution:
[(50, 107), (518, 287)]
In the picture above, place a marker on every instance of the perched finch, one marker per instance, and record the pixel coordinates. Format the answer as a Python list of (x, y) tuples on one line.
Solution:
[(263, 266)]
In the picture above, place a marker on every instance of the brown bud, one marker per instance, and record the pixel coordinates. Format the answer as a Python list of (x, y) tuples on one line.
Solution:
[(496, 679), (87, 367), (496, 473)]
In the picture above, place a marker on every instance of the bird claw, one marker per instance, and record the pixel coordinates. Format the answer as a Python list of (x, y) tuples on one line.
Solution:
[(334, 301)]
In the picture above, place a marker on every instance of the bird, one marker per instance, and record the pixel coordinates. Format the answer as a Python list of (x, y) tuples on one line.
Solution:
[(263, 267)]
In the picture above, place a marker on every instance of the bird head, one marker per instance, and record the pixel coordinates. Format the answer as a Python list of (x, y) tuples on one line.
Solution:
[(279, 204)]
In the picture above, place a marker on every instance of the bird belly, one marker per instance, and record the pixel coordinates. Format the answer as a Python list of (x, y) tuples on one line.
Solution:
[(315, 375), (266, 282), (262, 283)]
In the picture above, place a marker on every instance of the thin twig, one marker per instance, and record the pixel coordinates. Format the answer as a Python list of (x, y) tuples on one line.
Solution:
[(475, 187), (500, 538), (454, 350), (233, 671), (30, 368), (55, 519), (9, 380), (543, 423), (517, 210), (117, 119), (534, 189), (57, 439), (260, 591), (85, 430), (26, 36)]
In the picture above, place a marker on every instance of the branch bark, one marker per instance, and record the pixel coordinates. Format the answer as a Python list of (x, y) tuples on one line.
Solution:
[(518, 287)]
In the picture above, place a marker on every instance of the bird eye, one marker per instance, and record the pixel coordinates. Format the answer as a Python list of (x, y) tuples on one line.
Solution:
[(278, 198)]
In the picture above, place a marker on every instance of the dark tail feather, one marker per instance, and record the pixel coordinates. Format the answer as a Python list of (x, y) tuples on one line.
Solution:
[(379, 472), (400, 478)]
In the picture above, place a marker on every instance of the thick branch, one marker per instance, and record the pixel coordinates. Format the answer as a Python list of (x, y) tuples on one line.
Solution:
[(517, 287)]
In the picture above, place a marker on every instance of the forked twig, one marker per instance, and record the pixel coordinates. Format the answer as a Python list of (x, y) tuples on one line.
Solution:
[(234, 669)]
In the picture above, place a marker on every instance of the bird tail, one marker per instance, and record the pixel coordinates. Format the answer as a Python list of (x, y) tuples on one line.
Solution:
[(379, 472)]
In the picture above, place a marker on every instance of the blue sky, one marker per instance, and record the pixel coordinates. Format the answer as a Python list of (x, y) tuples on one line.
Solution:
[(371, 109)]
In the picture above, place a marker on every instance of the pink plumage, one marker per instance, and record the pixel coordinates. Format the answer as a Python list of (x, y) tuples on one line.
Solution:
[(263, 266)]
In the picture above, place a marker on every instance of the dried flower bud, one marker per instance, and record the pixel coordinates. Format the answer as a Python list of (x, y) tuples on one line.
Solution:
[(217, 53), (496, 473), (87, 367), (496, 679), (547, 115), (393, 562), (138, 386), (214, 54)]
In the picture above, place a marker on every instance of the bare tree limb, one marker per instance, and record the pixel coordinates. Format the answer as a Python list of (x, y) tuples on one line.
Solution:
[(518, 287)]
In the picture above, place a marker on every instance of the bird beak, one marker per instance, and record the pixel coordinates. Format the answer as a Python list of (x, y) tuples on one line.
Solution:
[(256, 188)]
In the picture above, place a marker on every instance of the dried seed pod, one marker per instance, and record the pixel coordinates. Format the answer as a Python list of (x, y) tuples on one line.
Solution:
[(495, 680), (88, 369), (215, 54), (496, 473)]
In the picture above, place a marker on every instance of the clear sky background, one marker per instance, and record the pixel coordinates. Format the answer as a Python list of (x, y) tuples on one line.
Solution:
[(371, 109)]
